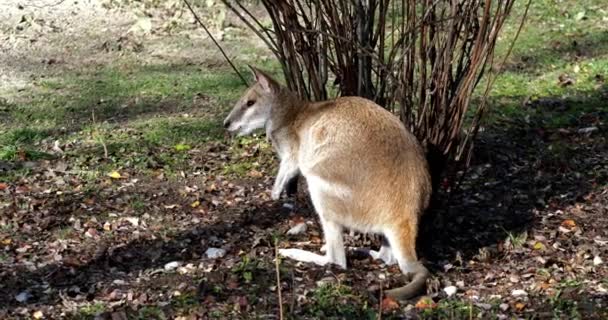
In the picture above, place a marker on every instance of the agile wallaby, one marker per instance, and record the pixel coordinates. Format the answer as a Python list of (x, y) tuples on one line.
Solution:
[(364, 170)]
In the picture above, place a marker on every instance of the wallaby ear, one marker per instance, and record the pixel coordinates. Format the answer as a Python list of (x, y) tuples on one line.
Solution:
[(267, 82)]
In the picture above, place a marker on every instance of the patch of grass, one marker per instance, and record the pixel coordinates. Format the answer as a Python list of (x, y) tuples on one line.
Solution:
[(338, 301), (97, 106), (516, 240), (561, 38), (564, 307), (173, 131), (91, 310), (454, 309), (4, 257), (184, 301), (239, 169), (150, 312), (63, 233)]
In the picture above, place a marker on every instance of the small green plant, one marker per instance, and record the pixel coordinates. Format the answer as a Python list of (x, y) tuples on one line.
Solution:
[(151, 312), (338, 301), (453, 309), (239, 169), (516, 241), (246, 268), (184, 301), (564, 307), (92, 309)]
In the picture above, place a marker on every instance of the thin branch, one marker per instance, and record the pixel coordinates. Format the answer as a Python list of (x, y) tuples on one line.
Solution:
[(215, 42)]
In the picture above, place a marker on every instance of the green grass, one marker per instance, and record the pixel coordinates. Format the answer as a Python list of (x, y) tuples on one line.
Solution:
[(560, 37), (338, 301), (122, 106)]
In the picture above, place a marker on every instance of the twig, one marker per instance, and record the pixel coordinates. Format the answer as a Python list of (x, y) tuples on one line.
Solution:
[(44, 5), (278, 272), (380, 304), (98, 136), (215, 41)]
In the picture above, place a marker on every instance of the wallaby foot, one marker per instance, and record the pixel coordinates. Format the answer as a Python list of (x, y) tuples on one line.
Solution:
[(385, 254), (307, 256)]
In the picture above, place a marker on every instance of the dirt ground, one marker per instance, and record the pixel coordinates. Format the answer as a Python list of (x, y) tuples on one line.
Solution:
[(525, 235)]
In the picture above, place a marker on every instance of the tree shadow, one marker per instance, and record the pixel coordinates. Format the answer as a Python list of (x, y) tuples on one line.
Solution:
[(541, 158)]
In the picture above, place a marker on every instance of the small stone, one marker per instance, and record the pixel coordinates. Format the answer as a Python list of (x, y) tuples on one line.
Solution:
[(485, 306), (597, 261), (504, 306), (514, 279), (172, 265), (133, 220), (91, 233), (215, 253), (587, 130), (23, 297), (450, 290), (38, 315), (298, 229), (519, 293)]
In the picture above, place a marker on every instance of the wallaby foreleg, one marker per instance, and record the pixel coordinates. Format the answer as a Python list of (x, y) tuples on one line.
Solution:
[(288, 169)]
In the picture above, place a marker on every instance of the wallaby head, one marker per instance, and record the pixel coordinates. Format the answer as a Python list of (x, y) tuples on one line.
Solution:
[(253, 109)]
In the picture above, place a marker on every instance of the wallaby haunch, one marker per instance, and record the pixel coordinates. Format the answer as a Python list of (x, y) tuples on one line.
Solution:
[(364, 170)]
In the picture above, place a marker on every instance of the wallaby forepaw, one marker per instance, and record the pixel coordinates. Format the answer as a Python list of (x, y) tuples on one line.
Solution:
[(275, 194)]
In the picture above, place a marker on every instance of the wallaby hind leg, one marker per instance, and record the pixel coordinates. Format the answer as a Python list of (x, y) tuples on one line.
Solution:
[(334, 248), (403, 244)]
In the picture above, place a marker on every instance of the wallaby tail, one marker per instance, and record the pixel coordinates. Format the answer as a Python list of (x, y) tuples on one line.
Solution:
[(414, 288)]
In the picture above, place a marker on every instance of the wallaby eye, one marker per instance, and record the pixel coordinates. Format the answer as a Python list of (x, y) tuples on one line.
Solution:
[(250, 103)]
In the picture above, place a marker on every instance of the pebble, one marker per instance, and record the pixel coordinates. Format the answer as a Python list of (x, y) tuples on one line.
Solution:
[(597, 261), (298, 229), (23, 296), (503, 306), (587, 130), (172, 265), (519, 293), (450, 290), (215, 253)]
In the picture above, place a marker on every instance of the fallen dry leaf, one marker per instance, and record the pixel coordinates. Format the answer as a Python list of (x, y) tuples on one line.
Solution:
[(114, 175), (569, 223), (539, 246), (425, 303), (389, 304)]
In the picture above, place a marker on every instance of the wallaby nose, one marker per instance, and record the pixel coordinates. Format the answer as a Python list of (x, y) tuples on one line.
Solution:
[(226, 123)]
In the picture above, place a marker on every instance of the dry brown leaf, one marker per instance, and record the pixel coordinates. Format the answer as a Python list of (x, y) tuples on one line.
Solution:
[(569, 223), (389, 304), (425, 303)]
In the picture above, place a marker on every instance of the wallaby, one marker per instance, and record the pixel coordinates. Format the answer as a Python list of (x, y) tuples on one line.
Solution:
[(364, 170)]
